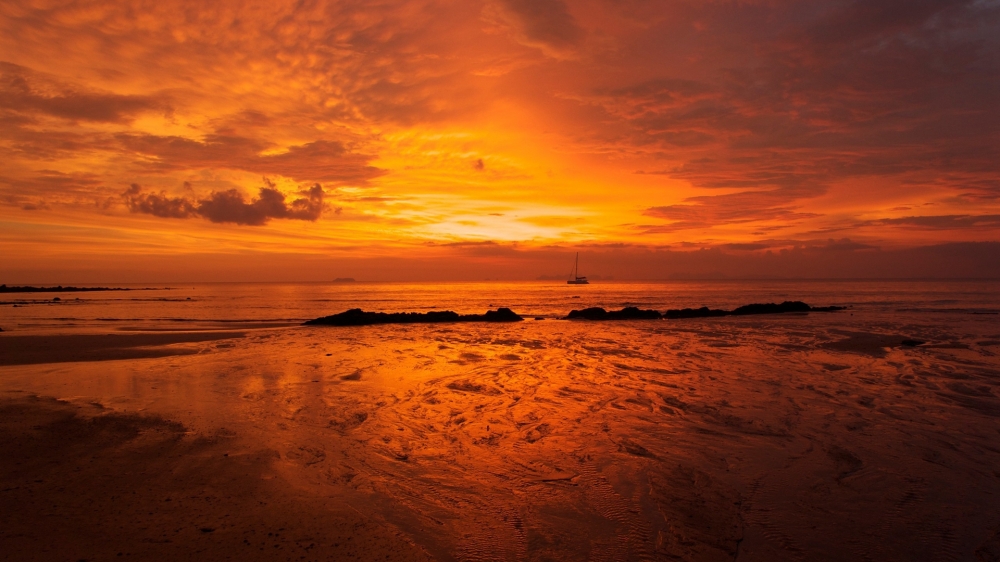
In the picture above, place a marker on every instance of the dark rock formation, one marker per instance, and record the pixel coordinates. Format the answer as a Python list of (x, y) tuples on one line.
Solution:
[(703, 312), (826, 308), (498, 315), (771, 308), (750, 309), (627, 313), (358, 317)]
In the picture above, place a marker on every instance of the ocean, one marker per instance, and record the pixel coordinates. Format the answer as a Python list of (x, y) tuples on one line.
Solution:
[(869, 433), (223, 305)]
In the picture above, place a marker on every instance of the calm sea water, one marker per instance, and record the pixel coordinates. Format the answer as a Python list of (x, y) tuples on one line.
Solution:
[(226, 305)]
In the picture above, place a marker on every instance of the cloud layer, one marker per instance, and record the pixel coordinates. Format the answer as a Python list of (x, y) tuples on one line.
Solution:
[(675, 124)]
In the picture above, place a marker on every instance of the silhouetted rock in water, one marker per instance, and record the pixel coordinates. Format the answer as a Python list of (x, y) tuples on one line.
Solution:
[(771, 308), (750, 309), (498, 315), (358, 317), (627, 313), (59, 289), (826, 308), (703, 312)]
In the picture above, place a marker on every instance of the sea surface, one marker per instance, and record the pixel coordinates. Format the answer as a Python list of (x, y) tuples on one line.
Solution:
[(223, 305), (816, 436)]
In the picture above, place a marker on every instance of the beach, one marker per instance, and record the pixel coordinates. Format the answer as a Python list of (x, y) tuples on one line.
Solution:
[(806, 436)]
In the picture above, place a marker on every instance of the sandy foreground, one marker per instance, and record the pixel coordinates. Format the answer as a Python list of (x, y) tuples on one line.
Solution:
[(795, 438)]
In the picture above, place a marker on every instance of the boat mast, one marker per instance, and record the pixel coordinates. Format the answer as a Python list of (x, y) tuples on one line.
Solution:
[(576, 268)]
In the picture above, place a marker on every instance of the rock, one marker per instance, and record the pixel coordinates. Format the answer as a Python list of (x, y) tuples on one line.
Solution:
[(703, 312), (912, 343), (593, 313), (499, 315), (627, 313), (358, 317), (771, 308), (747, 310)]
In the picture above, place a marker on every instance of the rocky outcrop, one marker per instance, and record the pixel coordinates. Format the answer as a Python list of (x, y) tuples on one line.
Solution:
[(358, 317), (750, 309), (703, 312), (633, 313), (627, 313), (771, 308)]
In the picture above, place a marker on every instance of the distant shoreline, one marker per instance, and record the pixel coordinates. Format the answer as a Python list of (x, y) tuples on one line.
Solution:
[(68, 289)]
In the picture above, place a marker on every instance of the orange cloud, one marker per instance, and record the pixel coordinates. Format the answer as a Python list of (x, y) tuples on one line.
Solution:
[(664, 126)]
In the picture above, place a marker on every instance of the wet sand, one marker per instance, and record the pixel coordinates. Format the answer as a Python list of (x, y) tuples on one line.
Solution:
[(78, 482), (793, 438), (36, 349)]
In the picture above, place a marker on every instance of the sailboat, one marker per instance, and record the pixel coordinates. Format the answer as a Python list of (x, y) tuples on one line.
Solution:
[(577, 280)]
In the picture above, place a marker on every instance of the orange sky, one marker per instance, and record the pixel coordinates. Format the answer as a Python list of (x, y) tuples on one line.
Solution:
[(149, 140)]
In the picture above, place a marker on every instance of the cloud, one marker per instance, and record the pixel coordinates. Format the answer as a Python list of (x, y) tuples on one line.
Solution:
[(45, 188), (544, 24), (939, 222), (157, 204), (800, 97), (752, 118), (25, 92), (229, 206), (708, 211), (326, 161)]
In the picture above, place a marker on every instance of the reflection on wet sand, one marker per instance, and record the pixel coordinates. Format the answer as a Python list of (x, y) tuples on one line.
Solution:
[(792, 438)]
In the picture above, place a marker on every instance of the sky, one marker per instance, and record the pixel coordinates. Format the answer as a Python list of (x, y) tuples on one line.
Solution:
[(494, 139)]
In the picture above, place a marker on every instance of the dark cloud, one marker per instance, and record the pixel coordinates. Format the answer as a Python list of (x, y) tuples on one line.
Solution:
[(22, 91), (327, 161), (713, 210), (545, 24), (46, 188), (861, 21), (545, 21), (157, 204), (745, 247), (842, 245), (229, 206), (797, 97), (939, 222)]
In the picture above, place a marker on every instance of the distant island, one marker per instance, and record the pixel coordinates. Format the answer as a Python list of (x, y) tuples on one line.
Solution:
[(344, 280), (59, 289), (633, 313), (358, 317)]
